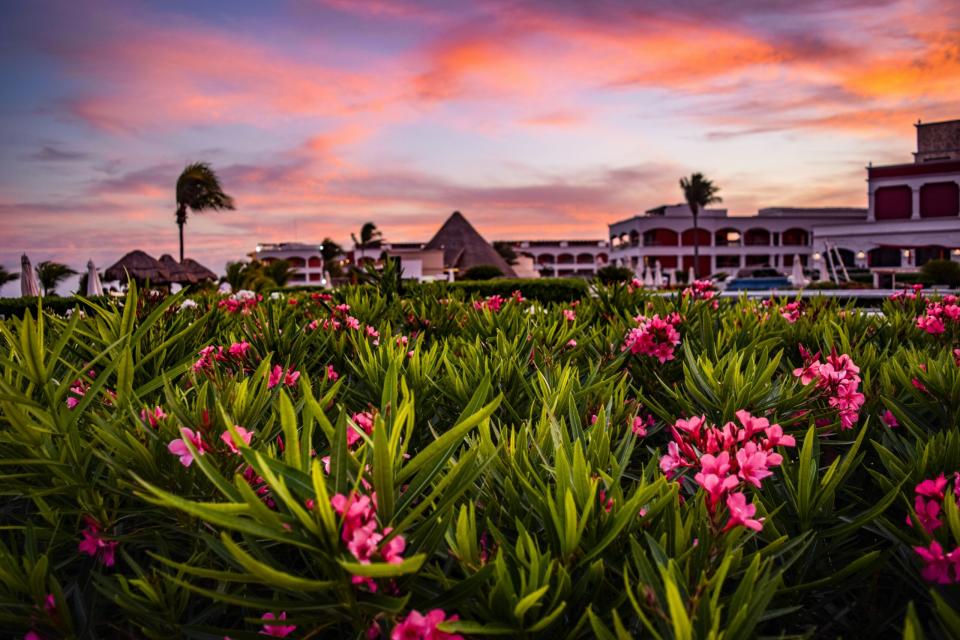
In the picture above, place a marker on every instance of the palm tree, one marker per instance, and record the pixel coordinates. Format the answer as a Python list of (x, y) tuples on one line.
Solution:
[(50, 274), (699, 193), (198, 189), (330, 251), (370, 236), (7, 276)]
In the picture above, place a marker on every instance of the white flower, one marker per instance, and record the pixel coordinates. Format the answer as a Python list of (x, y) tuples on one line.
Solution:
[(188, 304)]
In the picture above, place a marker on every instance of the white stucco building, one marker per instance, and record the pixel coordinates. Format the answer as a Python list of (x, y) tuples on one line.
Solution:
[(913, 216), (564, 258), (306, 259)]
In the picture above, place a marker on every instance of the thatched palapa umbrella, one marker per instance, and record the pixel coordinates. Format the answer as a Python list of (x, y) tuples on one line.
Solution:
[(140, 266), (187, 272)]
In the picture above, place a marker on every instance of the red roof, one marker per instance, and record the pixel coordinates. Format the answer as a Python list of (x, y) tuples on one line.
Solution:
[(913, 169)]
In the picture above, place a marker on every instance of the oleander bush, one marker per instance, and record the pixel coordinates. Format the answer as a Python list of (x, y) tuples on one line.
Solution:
[(444, 464)]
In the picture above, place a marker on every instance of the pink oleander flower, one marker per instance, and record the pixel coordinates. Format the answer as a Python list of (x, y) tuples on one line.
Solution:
[(239, 349), (393, 550), (352, 323), (571, 343), (419, 627), (928, 514), (277, 630), (655, 337), (373, 333), (752, 463), (94, 545), (741, 513), (640, 425), (289, 377), (332, 374), (364, 420), (672, 460), (889, 419), (245, 435), (775, 438), (178, 447), (152, 418), (933, 488), (791, 312), (937, 565), (931, 324), (72, 402), (569, 315)]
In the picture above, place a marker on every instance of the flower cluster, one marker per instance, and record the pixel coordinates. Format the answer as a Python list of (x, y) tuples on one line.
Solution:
[(911, 293), (791, 312), (276, 630), (240, 302), (94, 545), (236, 355), (727, 459), (417, 626), (939, 315), (493, 303), (656, 337), (289, 377), (838, 379), (701, 290), (364, 420), (939, 567), (362, 535)]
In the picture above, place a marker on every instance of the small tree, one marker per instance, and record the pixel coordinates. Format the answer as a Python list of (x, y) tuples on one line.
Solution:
[(331, 251), (945, 272), (7, 276), (50, 274), (506, 251), (699, 193), (612, 273), (482, 272)]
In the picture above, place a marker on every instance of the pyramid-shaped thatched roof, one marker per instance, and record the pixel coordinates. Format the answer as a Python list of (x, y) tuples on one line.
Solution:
[(463, 247), (187, 272), (140, 266)]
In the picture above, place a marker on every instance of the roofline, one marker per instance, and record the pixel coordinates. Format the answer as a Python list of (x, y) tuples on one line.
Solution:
[(920, 123)]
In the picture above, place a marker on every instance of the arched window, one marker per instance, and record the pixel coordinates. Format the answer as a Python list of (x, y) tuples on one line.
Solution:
[(794, 238), (545, 258), (315, 262), (296, 262), (728, 238), (686, 238), (659, 238), (565, 258), (756, 237), (584, 258)]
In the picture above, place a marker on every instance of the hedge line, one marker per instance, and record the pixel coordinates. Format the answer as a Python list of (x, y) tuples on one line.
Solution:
[(544, 290), (15, 307)]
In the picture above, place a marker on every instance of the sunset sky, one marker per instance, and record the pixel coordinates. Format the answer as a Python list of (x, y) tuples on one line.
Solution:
[(542, 119)]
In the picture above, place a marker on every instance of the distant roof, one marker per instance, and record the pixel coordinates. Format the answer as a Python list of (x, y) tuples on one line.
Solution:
[(139, 265), (187, 272), (463, 247), (811, 212)]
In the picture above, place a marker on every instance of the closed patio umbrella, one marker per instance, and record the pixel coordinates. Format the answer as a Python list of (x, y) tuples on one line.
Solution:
[(28, 279), (94, 286), (691, 275), (647, 277), (657, 274), (796, 276)]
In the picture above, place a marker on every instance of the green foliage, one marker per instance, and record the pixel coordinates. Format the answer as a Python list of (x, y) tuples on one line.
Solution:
[(7, 276), (612, 273), (482, 272), (51, 274), (498, 438), (946, 272)]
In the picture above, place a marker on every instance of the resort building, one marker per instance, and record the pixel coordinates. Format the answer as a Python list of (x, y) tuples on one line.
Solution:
[(306, 259), (418, 262), (913, 213), (727, 243), (913, 216), (564, 258)]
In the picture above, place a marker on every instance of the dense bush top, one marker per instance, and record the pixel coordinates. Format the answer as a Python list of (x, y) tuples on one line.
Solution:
[(436, 465)]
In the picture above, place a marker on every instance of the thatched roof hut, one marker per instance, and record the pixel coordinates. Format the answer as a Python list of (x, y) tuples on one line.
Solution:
[(463, 247), (187, 272), (140, 266)]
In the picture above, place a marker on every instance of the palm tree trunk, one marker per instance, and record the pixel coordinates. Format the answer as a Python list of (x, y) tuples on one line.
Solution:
[(180, 224), (696, 244)]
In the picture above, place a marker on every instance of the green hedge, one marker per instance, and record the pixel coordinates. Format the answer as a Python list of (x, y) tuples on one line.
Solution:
[(15, 307), (541, 289)]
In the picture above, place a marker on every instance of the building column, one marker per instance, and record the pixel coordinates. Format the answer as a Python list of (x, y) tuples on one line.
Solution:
[(871, 205), (915, 212)]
